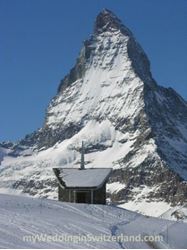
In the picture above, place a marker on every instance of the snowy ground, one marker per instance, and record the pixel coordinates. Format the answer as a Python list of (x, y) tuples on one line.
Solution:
[(144, 205), (22, 218), (155, 209)]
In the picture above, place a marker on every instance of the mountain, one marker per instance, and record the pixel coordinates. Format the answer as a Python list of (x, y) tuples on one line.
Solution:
[(42, 223), (5, 149), (109, 100)]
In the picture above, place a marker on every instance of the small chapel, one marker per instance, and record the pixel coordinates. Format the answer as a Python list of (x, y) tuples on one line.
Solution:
[(82, 185)]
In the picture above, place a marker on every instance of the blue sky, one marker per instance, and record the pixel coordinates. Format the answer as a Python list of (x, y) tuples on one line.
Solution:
[(40, 40)]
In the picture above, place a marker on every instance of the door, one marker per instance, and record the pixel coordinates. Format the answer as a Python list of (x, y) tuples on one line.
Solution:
[(81, 197)]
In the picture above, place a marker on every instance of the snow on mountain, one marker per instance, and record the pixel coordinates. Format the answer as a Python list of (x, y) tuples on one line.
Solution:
[(41, 223), (127, 121), (4, 151), (175, 213)]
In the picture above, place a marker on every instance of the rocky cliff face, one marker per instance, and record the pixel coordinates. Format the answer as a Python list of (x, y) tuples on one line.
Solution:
[(128, 122)]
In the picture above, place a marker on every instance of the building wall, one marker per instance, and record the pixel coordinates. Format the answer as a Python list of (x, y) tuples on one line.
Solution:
[(99, 195), (65, 195)]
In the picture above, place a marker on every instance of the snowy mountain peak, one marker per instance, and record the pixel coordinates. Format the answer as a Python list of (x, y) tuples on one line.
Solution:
[(108, 21), (110, 47)]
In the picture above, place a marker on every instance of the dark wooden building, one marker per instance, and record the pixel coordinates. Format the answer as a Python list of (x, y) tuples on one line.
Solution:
[(82, 185)]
